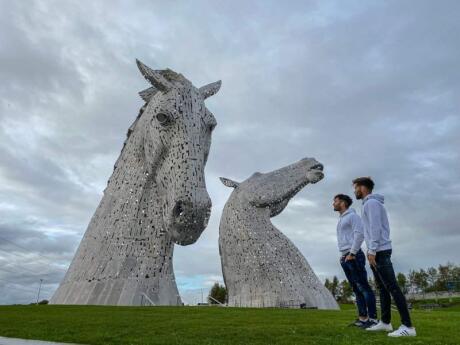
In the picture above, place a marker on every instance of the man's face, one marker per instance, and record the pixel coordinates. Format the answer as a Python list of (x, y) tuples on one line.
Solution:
[(359, 191), (338, 204)]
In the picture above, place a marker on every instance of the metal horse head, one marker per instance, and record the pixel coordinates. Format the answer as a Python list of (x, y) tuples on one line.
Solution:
[(176, 140), (273, 190)]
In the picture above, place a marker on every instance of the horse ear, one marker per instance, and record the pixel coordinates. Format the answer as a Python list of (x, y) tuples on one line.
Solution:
[(229, 183), (147, 94), (154, 77), (210, 89)]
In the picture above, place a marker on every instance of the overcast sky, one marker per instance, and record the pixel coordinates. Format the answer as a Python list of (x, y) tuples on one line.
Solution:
[(366, 87)]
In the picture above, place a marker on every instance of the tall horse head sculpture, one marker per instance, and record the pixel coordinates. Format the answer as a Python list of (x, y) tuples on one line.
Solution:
[(155, 197), (176, 135)]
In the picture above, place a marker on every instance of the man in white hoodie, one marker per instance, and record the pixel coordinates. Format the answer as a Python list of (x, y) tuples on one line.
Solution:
[(350, 236), (379, 249)]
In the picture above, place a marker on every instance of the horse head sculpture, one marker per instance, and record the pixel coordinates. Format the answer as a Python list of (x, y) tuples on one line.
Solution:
[(272, 191), (155, 197), (177, 129), (261, 266)]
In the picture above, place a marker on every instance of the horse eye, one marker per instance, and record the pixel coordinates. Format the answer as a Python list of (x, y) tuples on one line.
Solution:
[(162, 118)]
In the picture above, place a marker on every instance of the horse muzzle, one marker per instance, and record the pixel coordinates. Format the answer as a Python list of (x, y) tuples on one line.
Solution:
[(189, 219)]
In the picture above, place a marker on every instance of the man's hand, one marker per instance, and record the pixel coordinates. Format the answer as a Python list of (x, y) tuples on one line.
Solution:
[(349, 257), (371, 259)]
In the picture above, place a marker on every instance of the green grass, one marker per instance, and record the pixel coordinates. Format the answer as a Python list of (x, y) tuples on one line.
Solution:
[(214, 325)]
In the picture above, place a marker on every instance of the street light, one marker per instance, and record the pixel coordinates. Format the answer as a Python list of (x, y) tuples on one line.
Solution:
[(39, 288)]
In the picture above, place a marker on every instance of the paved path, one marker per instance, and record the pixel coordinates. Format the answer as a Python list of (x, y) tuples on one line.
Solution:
[(14, 341)]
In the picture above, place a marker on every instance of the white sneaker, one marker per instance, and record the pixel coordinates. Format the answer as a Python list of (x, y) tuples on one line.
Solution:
[(381, 326), (403, 331)]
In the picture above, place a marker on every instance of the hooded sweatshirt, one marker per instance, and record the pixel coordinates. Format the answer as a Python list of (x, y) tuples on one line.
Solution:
[(376, 226), (350, 233)]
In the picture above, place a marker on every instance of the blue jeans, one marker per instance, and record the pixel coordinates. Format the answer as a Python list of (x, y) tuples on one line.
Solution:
[(385, 280), (356, 273)]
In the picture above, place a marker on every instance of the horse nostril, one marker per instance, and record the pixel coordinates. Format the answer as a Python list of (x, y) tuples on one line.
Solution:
[(178, 209), (318, 166)]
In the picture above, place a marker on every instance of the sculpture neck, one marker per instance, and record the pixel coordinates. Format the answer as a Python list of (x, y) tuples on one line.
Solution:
[(129, 219), (246, 214)]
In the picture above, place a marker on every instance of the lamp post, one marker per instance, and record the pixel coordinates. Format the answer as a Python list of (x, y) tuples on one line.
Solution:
[(39, 288)]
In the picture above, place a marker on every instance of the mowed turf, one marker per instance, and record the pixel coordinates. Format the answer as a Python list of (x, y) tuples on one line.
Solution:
[(213, 325)]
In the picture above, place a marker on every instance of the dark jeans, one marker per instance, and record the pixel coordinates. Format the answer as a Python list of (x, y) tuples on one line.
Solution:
[(355, 271), (385, 280)]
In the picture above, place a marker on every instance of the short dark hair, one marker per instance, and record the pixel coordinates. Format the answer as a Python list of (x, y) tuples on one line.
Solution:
[(364, 181), (345, 198)]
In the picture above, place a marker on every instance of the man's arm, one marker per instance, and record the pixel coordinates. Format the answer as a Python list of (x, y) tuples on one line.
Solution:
[(358, 234), (373, 211)]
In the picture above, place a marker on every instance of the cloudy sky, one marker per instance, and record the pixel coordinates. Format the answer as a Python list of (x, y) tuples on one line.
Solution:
[(366, 87)]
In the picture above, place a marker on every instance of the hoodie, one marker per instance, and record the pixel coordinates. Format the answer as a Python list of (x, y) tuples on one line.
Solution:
[(350, 234), (376, 226)]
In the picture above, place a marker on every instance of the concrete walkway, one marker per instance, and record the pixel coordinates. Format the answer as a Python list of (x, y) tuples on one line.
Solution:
[(14, 341)]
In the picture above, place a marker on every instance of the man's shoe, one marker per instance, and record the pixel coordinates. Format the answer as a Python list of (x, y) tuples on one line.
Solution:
[(381, 326), (357, 323), (403, 331), (369, 323)]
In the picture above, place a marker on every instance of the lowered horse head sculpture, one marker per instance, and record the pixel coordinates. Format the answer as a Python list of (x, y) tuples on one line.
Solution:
[(271, 192), (261, 266), (155, 197)]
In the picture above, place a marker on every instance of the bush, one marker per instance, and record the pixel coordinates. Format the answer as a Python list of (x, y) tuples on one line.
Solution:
[(218, 292)]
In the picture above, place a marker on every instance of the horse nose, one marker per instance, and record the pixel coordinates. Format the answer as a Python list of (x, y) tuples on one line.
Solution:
[(179, 209), (185, 209), (318, 166), (314, 164)]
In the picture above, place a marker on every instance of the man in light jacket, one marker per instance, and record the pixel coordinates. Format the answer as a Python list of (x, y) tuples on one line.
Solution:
[(379, 250), (350, 236)]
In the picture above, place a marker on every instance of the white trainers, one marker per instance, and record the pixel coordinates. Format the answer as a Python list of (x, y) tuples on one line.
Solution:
[(381, 326), (403, 331)]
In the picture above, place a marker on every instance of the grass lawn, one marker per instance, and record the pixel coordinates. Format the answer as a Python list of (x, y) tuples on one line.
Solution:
[(214, 325)]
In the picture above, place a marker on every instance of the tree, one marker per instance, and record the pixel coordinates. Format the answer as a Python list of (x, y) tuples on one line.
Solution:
[(432, 278), (333, 286), (447, 274), (456, 277), (218, 292), (327, 284), (419, 279), (445, 277), (413, 280), (423, 279), (346, 291), (42, 302), (402, 282)]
